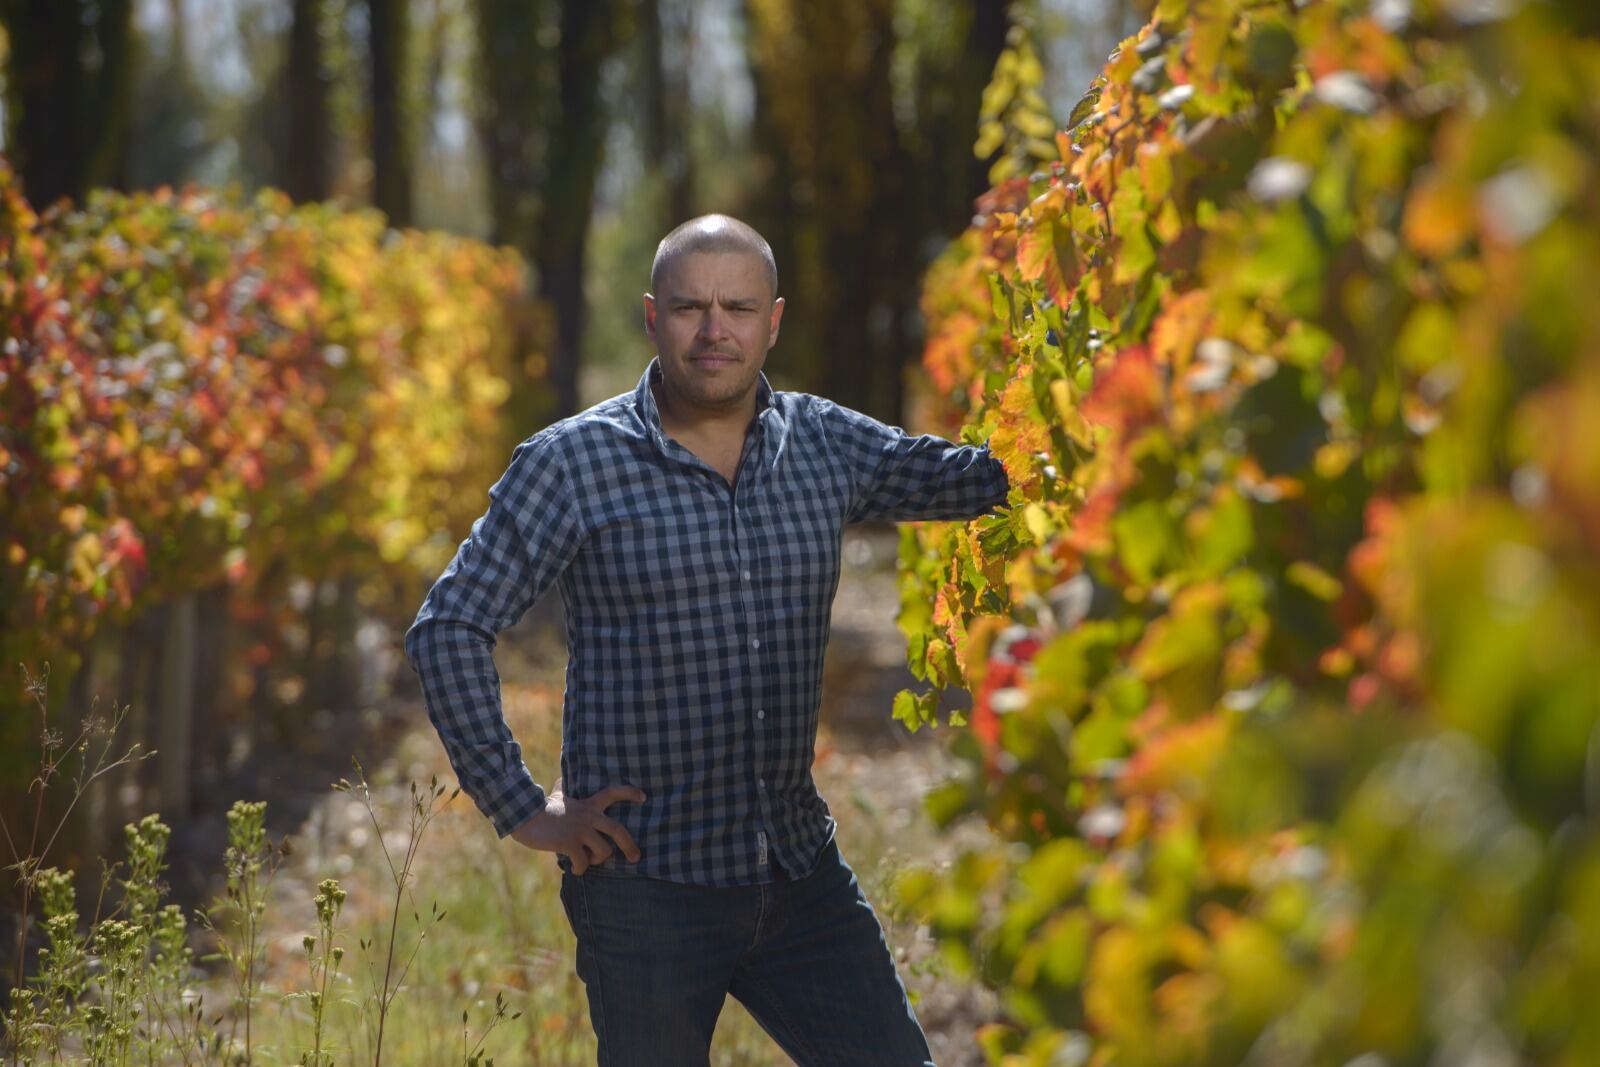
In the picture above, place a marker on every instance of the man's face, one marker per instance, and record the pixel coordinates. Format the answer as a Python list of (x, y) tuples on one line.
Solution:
[(712, 325)]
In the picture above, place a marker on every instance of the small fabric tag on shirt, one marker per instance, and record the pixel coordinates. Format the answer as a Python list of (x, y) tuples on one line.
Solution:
[(761, 840)]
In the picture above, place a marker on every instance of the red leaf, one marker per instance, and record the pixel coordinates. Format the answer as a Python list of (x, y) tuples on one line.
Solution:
[(1127, 392)]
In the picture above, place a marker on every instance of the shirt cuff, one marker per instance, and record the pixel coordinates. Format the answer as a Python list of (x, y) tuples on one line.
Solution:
[(513, 804), (1001, 481)]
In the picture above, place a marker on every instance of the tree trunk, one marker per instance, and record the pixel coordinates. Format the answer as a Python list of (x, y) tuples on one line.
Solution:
[(391, 131), (331, 665), (864, 182), (589, 34), (209, 750), (110, 117), (144, 717), (70, 94), (987, 39), (666, 100), (544, 140), (773, 208), (83, 837), (512, 120), (305, 170), (891, 236), (175, 720), (511, 129), (178, 39)]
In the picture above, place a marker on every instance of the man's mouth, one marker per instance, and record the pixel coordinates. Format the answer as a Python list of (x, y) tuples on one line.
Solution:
[(714, 358)]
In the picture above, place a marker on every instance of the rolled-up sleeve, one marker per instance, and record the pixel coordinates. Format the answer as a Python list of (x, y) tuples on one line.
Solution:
[(896, 476), (515, 551)]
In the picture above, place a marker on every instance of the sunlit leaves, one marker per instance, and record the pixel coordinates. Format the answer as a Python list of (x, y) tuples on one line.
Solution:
[(1014, 114), (1300, 312), (196, 388)]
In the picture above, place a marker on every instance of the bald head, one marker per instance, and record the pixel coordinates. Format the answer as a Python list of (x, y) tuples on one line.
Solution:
[(711, 233)]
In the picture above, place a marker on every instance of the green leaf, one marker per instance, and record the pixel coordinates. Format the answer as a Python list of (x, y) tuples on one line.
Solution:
[(1313, 579), (916, 710), (1136, 255), (1053, 872), (947, 802), (1145, 539), (917, 654), (1083, 108), (1038, 523), (1068, 666), (1223, 534), (1102, 735)]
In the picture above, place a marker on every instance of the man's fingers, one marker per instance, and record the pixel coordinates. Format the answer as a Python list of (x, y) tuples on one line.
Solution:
[(590, 848), (599, 848), (613, 793), (592, 845), (620, 835)]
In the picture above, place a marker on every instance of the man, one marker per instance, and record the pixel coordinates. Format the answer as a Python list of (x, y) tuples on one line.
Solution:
[(693, 527)]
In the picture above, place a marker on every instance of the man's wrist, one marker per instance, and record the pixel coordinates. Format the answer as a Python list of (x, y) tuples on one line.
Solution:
[(513, 817)]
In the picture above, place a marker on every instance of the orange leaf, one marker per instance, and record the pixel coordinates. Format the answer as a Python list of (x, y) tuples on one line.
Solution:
[(1090, 528), (1127, 393), (1439, 217), (1179, 329), (1021, 432)]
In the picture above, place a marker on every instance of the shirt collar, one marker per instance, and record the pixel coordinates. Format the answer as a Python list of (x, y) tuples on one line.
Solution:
[(644, 400)]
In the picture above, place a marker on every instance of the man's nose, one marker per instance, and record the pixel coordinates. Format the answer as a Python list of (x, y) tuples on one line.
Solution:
[(714, 323)]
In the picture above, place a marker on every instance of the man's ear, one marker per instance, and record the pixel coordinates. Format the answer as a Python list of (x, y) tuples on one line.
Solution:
[(777, 314), (650, 316)]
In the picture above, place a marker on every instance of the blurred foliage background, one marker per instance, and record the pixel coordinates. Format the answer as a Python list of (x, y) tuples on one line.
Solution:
[(282, 281), (1287, 691)]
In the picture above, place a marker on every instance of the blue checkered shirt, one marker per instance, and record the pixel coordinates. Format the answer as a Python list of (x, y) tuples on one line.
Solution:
[(696, 613)]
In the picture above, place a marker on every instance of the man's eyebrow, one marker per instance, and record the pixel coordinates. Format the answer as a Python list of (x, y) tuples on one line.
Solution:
[(700, 301)]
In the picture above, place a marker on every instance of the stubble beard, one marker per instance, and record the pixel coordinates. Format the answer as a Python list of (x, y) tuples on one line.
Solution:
[(705, 392)]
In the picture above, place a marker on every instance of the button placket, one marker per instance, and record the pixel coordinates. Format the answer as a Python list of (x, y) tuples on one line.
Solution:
[(740, 499)]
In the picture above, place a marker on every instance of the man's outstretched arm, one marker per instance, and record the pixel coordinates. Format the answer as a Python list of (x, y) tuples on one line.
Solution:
[(515, 551), (897, 476)]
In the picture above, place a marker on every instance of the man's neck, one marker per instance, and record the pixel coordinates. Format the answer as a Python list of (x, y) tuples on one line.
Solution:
[(678, 418)]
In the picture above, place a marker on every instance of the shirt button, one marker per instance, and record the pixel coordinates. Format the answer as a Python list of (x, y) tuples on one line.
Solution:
[(761, 713), (746, 576), (762, 782), (755, 642)]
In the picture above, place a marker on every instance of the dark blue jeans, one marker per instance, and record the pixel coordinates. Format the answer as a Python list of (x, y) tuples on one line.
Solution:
[(806, 957)]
